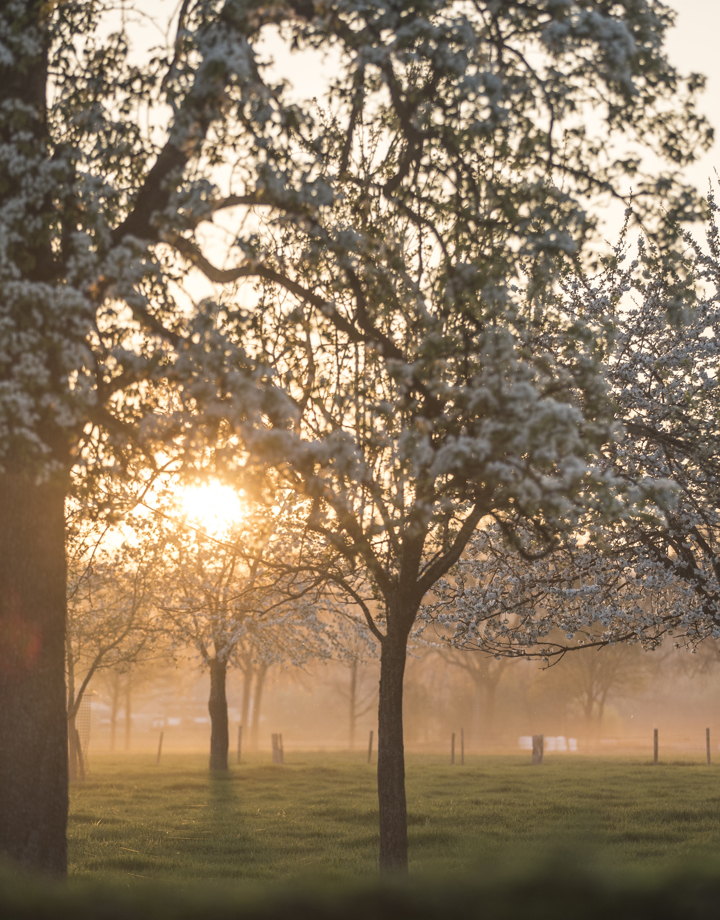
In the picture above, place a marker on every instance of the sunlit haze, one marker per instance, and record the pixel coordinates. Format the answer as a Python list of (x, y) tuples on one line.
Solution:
[(212, 506)]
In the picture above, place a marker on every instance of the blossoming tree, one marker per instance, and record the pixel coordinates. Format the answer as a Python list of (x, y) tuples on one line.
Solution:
[(411, 318), (650, 575), (224, 599)]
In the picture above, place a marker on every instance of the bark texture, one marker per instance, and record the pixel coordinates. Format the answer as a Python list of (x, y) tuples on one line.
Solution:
[(33, 718), (391, 753), (217, 706)]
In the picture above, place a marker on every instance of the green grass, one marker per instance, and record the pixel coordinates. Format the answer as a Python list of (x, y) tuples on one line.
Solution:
[(317, 816)]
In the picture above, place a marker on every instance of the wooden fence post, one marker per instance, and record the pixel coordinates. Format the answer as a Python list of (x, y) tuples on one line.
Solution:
[(159, 747), (370, 747), (707, 744), (281, 749), (538, 749), (452, 748), (239, 749), (462, 747), (276, 749), (655, 745)]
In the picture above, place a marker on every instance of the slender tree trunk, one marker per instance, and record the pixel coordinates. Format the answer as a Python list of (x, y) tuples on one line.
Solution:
[(478, 712), (76, 762), (73, 753), (490, 694), (601, 708), (246, 695), (71, 709), (353, 701), (217, 706), (33, 718), (391, 751), (114, 709), (257, 701), (128, 711)]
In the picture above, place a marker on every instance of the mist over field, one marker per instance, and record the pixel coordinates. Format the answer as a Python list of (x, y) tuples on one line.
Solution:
[(495, 704)]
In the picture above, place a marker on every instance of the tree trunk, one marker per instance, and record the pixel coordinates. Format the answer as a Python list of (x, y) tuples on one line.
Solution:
[(353, 701), (76, 762), (74, 754), (257, 700), (217, 706), (490, 695), (116, 678), (391, 752), (247, 691), (33, 717), (128, 713), (478, 713)]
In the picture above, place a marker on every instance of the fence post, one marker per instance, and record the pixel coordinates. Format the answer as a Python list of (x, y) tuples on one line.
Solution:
[(452, 748), (655, 745), (159, 747), (281, 749), (462, 747), (538, 749), (239, 749), (370, 747), (707, 744)]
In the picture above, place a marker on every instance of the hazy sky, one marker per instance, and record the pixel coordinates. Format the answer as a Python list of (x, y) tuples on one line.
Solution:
[(694, 46)]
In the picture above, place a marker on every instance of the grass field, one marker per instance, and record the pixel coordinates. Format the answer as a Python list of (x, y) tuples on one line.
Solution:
[(317, 816)]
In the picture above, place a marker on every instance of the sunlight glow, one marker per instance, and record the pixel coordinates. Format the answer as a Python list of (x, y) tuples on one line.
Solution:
[(212, 506)]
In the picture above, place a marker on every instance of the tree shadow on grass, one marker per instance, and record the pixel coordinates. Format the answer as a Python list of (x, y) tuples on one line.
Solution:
[(223, 796)]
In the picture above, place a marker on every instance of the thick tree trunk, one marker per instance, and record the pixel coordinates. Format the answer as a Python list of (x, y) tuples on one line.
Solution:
[(217, 706), (33, 718), (391, 753)]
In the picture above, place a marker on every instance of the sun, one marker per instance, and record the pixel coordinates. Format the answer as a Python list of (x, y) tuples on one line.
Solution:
[(212, 506)]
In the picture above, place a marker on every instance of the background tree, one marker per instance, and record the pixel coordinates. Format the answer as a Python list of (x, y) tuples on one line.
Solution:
[(358, 687), (108, 603), (485, 674), (593, 677), (649, 576), (117, 686), (219, 596)]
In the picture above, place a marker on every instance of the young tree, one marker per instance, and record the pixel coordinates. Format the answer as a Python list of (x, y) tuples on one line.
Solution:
[(357, 687), (108, 602), (221, 596)]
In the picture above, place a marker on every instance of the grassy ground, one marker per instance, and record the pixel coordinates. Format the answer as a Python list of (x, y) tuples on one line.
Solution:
[(317, 816)]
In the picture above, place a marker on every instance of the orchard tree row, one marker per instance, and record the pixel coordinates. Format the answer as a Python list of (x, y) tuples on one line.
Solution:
[(158, 583)]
